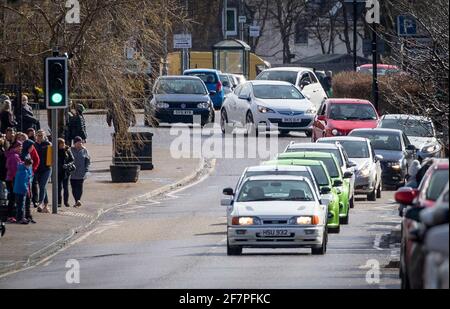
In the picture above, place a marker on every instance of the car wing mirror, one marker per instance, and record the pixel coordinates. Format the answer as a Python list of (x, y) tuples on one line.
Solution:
[(228, 192), (338, 183), (325, 190), (411, 148), (414, 213), (379, 158), (348, 175), (212, 93), (352, 164)]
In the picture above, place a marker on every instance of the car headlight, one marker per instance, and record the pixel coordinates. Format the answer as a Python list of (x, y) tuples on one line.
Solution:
[(162, 105), (395, 165), (246, 221), (430, 149), (265, 110), (365, 171), (311, 111), (335, 132), (305, 220), (203, 105)]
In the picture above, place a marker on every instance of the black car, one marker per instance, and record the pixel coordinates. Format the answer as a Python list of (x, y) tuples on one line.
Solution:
[(397, 151)]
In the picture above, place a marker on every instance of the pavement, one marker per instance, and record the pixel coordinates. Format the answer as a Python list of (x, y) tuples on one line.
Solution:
[(178, 240), (24, 246)]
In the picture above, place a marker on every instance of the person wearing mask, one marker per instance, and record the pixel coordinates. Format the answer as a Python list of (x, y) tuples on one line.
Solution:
[(7, 119), (29, 151), (12, 163), (22, 183), (82, 164), (77, 124), (44, 170), (66, 167)]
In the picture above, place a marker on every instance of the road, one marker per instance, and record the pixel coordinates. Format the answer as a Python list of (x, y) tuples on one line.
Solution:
[(179, 241)]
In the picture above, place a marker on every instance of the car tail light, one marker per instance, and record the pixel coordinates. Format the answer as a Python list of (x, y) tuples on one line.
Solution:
[(406, 196), (219, 87)]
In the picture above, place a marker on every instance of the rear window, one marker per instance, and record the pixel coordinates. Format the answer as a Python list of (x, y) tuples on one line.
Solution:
[(284, 76), (330, 165), (206, 77), (336, 152), (438, 183), (320, 175)]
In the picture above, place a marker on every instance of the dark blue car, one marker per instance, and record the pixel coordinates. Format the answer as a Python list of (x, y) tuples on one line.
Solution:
[(211, 78)]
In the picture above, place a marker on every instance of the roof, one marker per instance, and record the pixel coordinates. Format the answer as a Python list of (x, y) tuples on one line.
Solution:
[(232, 44), (179, 77), (343, 139), (290, 69), (348, 101), (277, 177), (406, 117), (293, 162), (313, 145), (270, 82), (306, 155), (202, 71), (277, 167), (379, 130)]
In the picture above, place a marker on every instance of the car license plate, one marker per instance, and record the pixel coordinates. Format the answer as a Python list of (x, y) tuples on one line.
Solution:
[(183, 113), (276, 233), (292, 120)]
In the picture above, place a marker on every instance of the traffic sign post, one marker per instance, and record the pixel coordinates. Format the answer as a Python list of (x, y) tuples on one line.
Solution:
[(57, 98), (183, 42)]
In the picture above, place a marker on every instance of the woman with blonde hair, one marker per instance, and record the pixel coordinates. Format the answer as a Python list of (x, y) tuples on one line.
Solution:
[(44, 170)]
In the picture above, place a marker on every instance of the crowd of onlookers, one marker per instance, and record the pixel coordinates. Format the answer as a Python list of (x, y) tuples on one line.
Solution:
[(26, 161)]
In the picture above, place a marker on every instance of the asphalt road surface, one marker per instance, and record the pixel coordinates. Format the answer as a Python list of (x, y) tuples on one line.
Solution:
[(179, 241)]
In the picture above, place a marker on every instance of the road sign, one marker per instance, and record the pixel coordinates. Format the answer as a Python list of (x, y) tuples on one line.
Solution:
[(182, 41), (56, 83), (255, 31), (406, 25), (242, 19)]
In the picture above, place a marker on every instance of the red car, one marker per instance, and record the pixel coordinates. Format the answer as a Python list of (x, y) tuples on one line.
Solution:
[(412, 253), (383, 69), (338, 117)]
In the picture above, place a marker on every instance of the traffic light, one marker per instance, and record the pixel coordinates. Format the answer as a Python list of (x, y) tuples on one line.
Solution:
[(56, 86)]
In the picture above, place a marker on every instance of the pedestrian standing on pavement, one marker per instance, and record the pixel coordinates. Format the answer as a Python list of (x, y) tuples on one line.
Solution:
[(44, 170), (328, 83), (29, 151), (82, 164), (10, 138), (31, 133), (25, 116), (66, 167), (2, 163), (77, 124), (7, 119), (412, 175), (22, 185), (12, 163)]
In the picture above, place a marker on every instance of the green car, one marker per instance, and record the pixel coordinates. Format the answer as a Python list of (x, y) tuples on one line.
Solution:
[(339, 180), (324, 182)]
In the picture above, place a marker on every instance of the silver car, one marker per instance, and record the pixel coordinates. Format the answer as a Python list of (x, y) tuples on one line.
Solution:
[(276, 212), (368, 165)]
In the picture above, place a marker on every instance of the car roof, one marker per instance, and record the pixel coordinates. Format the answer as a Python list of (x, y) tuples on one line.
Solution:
[(306, 154), (202, 71), (406, 117), (348, 101), (343, 139), (311, 145), (378, 130), (269, 82), (278, 177), (289, 69), (180, 77), (276, 167), (294, 162)]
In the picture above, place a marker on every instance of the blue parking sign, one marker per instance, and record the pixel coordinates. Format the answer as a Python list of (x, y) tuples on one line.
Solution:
[(406, 25)]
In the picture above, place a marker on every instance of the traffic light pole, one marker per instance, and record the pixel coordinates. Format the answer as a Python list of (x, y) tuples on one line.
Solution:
[(55, 182)]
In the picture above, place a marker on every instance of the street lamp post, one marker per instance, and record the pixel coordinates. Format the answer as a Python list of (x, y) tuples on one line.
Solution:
[(355, 35)]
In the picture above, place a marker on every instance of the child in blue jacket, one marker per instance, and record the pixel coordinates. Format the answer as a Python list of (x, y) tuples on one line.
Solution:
[(22, 185)]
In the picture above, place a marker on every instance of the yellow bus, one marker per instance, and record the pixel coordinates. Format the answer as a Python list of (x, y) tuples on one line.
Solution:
[(204, 60)]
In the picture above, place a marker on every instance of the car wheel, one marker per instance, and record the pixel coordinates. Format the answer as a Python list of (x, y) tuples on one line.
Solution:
[(346, 220), (250, 125), (372, 197), (380, 191), (336, 230), (352, 202), (234, 250), (322, 250), (224, 125), (284, 133)]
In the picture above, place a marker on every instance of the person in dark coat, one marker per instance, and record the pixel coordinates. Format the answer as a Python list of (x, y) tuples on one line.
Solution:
[(25, 117), (7, 119), (66, 167), (122, 119), (77, 124)]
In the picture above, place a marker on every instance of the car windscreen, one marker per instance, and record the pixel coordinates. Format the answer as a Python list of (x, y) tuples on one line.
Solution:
[(304, 174), (335, 152), (275, 190), (356, 150), (381, 140), (206, 77), (180, 86), (352, 112), (320, 175), (277, 92), (284, 76), (330, 164), (225, 80), (410, 127), (438, 183)]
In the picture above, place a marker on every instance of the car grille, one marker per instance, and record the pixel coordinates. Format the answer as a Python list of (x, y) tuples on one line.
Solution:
[(290, 113), (183, 105), (275, 222)]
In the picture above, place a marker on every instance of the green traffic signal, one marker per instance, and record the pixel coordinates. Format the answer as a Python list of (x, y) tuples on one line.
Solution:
[(57, 98)]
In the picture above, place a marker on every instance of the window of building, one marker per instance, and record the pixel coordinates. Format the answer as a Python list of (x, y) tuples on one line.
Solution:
[(301, 34)]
